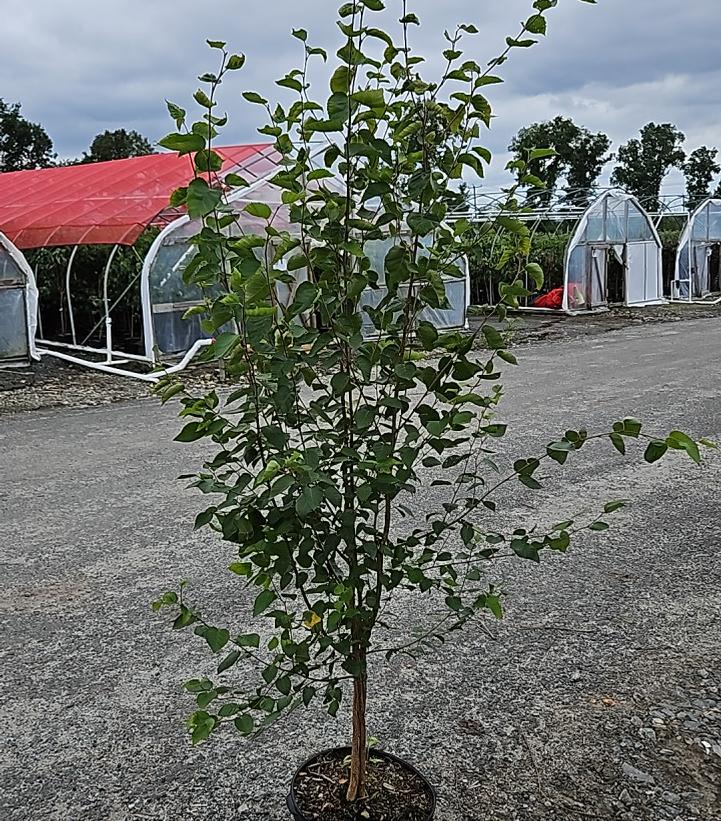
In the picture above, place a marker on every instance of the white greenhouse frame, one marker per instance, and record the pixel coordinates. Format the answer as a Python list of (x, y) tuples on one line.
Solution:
[(615, 223), (692, 277), (18, 305), (453, 318)]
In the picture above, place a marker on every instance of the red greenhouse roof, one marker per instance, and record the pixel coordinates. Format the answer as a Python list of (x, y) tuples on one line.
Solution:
[(106, 203)]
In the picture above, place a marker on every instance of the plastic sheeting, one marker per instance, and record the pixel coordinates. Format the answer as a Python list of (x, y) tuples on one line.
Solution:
[(693, 279), (107, 203), (458, 291), (18, 305), (615, 224), (166, 297)]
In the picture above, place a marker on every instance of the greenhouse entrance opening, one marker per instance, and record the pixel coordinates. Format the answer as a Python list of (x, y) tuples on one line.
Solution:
[(18, 307), (698, 262)]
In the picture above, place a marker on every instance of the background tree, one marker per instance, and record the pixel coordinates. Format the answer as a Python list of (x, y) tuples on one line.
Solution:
[(579, 157), (644, 163), (587, 156), (118, 145), (699, 169), (23, 144)]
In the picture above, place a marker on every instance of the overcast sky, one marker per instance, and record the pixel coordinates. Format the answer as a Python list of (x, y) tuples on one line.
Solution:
[(82, 66)]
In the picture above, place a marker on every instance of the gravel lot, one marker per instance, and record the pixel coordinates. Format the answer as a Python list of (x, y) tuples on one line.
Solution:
[(599, 696)]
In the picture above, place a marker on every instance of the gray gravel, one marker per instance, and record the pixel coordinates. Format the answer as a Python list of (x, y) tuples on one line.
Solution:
[(599, 696)]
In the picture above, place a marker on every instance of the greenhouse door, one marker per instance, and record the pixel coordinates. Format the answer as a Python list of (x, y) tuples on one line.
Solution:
[(700, 272), (14, 343), (642, 273), (597, 273)]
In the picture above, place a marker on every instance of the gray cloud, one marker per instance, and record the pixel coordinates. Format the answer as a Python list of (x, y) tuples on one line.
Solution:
[(612, 67)]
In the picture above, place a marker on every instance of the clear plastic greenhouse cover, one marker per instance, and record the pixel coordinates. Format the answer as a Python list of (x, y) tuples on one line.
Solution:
[(693, 278), (616, 227), (166, 297), (18, 305)]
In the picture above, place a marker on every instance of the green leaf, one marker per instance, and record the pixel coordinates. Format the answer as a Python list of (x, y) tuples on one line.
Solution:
[(534, 270), (340, 382), (244, 724), (598, 526), (217, 639), (681, 441), (269, 673), (340, 81), (427, 335), (618, 442), (525, 550), (263, 601), (202, 99), (494, 340), (364, 417), (229, 661), (204, 518), (183, 143), (405, 370), (201, 725), (612, 507), (254, 97), (235, 61), (241, 568), (258, 209), (536, 24), (655, 450), (176, 112), (305, 296), (201, 199), (191, 432), (631, 427), (248, 640), (507, 356), (309, 500), (370, 97)]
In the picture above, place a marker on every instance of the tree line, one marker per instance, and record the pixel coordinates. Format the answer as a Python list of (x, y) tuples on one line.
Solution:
[(641, 164), (572, 172), (25, 145)]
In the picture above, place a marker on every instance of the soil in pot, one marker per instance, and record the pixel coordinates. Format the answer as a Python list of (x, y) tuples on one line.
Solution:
[(396, 791)]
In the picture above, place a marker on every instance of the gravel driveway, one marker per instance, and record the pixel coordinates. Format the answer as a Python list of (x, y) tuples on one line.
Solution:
[(599, 696)]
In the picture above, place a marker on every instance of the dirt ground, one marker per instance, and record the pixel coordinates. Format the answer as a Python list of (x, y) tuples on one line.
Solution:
[(597, 697), (54, 383)]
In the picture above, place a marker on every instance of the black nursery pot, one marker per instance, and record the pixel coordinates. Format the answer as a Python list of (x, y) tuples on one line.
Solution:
[(343, 752)]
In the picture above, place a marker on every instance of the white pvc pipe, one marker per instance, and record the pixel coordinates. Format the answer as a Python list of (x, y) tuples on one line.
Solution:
[(144, 377), (106, 305), (98, 366), (200, 343), (90, 349), (71, 316)]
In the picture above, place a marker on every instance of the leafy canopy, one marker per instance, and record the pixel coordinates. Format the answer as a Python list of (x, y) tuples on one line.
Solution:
[(644, 163), (117, 145), (23, 145), (354, 462), (578, 156)]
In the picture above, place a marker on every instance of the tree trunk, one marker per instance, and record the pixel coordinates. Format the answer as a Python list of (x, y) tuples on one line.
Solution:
[(359, 752)]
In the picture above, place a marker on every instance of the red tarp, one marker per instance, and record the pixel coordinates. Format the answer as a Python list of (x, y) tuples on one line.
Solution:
[(106, 203)]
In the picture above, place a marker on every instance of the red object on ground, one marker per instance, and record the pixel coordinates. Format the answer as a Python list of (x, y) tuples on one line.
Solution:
[(553, 299), (108, 203)]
